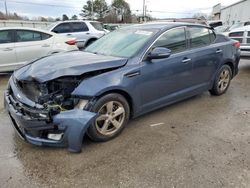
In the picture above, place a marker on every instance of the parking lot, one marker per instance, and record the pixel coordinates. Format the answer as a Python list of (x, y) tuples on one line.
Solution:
[(200, 142)]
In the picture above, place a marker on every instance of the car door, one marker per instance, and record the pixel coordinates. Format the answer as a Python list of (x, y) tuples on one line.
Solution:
[(7, 50), (81, 32), (166, 80), (205, 55), (32, 45)]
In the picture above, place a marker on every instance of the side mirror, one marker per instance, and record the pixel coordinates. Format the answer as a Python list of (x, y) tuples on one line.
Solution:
[(159, 53)]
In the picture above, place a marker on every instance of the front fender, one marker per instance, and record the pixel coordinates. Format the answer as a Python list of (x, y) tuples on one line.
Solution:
[(116, 80), (97, 85)]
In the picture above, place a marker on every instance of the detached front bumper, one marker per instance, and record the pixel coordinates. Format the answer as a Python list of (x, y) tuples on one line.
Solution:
[(34, 125)]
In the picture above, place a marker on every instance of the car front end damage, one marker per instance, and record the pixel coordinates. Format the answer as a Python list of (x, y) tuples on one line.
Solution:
[(46, 113)]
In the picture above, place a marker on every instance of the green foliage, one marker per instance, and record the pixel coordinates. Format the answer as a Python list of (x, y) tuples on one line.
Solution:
[(99, 8)]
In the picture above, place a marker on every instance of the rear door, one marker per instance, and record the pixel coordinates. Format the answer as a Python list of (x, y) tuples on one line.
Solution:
[(205, 54), (63, 29), (80, 31), (7, 50), (32, 44)]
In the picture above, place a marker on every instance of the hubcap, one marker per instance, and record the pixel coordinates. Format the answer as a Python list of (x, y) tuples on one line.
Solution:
[(112, 115), (224, 80)]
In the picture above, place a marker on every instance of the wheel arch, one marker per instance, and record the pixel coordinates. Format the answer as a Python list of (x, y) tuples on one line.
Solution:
[(125, 94), (231, 65)]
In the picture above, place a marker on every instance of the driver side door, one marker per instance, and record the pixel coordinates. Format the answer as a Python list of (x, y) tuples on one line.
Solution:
[(166, 80)]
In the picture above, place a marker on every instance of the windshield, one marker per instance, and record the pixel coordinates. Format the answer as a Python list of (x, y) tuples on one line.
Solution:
[(97, 25), (221, 29), (121, 43), (240, 24)]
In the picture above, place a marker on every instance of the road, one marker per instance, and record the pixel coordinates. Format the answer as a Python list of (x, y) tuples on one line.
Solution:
[(200, 142)]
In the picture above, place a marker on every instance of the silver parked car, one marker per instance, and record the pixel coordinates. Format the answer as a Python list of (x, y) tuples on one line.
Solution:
[(84, 31), (20, 45), (242, 35)]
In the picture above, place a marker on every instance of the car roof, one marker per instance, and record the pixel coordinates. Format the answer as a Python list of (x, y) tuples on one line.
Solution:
[(163, 25), (26, 28), (244, 28), (69, 21)]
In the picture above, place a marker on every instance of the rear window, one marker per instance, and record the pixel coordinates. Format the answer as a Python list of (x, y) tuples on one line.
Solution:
[(62, 28), (6, 37), (97, 25), (79, 27), (236, 34), (199, 36)]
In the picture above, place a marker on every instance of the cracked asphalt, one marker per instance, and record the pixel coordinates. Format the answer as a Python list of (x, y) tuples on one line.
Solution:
[(200, 142)]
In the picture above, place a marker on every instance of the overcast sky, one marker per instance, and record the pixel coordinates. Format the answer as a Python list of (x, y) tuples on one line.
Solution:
[(157, 8)]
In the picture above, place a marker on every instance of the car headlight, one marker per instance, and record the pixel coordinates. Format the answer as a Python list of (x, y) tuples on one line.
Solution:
[(81, 104)]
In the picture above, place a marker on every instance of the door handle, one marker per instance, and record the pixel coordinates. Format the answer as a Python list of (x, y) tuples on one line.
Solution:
[(69, 34), (87, 33), (218, 51), (186, 60), (7, 49), (45, 45)]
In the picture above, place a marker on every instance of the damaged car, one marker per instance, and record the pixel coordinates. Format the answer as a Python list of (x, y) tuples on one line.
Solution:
[(58, 99)]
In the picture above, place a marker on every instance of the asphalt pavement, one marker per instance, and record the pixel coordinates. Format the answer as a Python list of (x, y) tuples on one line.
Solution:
[(200, 142)]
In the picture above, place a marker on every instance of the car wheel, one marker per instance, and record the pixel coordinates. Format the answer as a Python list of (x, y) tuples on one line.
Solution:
[(222, 81), (113, 110)]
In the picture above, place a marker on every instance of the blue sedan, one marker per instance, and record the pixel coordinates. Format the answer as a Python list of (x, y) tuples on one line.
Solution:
[(56, 99)]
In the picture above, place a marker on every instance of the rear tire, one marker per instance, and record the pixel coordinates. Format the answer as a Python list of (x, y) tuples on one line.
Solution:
[(222, 81), (113, 110)]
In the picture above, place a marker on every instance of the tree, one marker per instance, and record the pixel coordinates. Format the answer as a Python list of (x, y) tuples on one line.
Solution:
[(74, 17), (123, 10), (58, 19), (96, 10), (65, 17)]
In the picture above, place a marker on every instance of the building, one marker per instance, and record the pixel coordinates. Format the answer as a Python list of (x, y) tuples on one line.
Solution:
[(237, 12), (216, 12)]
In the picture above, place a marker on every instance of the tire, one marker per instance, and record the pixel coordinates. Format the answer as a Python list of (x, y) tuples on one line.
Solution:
[(222, 81), (109, 124)]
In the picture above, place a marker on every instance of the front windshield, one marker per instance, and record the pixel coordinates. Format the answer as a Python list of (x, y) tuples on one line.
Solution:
[(121, 43), (237, 25), (221, 29)]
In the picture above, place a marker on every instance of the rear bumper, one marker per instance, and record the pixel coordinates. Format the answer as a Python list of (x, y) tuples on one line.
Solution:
[(71, 125)]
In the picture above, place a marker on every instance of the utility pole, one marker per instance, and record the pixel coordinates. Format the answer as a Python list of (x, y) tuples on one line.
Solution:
[(143, 10), (6, 10), (92, 9)]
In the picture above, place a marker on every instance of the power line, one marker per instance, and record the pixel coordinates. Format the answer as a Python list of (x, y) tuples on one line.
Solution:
[(42, 4)]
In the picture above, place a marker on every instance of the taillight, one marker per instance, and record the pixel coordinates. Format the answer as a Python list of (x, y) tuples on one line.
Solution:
[(236, 44), (71, 42)]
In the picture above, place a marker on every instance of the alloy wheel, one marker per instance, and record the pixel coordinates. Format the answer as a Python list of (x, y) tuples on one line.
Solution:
[(111, 118)]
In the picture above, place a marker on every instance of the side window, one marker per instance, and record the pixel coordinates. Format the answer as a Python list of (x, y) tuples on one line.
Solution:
[(45, 36), (26, 36), (199, 36), (62, 28), (212, 36), (174, 39), (6, 37), (79, 27)]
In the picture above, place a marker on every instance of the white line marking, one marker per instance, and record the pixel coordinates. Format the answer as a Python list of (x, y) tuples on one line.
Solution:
[(153, 125)]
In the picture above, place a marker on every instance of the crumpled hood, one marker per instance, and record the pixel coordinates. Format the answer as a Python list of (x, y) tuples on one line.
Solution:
[(66, 64)]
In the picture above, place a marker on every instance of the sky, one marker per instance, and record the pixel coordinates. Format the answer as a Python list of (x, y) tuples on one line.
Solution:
[(156, 8)]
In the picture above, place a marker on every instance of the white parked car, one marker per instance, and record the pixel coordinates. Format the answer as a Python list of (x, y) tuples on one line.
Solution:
[(84, 31), (19, 45), (242, 35)]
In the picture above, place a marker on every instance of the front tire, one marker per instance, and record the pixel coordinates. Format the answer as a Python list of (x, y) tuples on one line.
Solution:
[(222, 81), (113, 110)]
